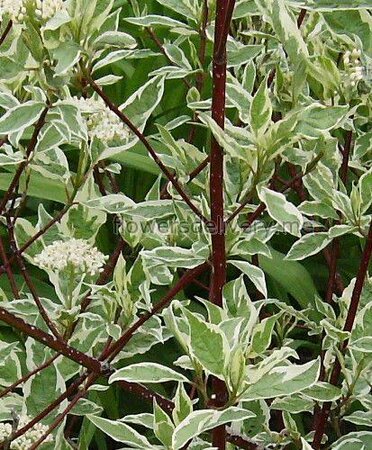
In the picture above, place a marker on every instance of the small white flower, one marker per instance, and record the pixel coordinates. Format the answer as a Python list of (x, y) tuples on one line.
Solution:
[(354, 70), (102, 123), (74, 253), (12, 8), (46, 9), (25, 441), (43, 9)]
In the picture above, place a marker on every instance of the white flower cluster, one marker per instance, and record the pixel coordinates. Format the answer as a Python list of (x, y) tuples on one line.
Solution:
[(17, 11), (353, 66), (102, 123), (45, 9), (25, 441), (75, 253)]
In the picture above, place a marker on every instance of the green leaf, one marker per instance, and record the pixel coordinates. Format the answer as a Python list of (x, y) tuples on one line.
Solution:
[(38, 186), (262, 334), (20, 117), (310, 244), (136, 161), (323, 392), (155, 20), (208, 344), (85, 407), (316, 119), (363, 344), (177, 56), (115, 39), (254, 273), (284, 380), (182, 405), (147, 373), (261, 110), (187, 8), (292, 276), (363, 418), (203, 420), (282, 211), (285, 26), (120, 432), (243, 55), (163, 426), (67, 54), (357, 440)]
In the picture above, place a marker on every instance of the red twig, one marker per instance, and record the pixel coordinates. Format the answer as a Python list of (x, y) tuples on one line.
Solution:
[(8, 269), (159, 44), (69, 391), (261, 207), (301, 17), (6, 32), (186, 279), (349, 323), (52, 342), (30, 148), (345, 156), (30, 284), (149, 148), (28, 376)]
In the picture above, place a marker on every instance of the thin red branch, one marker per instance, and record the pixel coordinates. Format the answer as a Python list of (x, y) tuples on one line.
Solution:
[(8, 270), (28, 376), (301, 18), (68, 392), (159, 44), (30, 148), (346, 156), (261, 207), (30, 284), (185, 280), (81, 394), (298, 185), (149, 148), (203, 45), (52, 342), (349, 323), (6, 32)]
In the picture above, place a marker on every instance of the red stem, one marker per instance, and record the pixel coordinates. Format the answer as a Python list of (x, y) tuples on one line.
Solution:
[(301, 18), (30, 148), (185, 280), (6, 32), (8, 269), (345, 156), (30, 284), (217, 227), (349, 323), (69, 391), (149, 148), (35, 237), (28, 376), (52, 342)]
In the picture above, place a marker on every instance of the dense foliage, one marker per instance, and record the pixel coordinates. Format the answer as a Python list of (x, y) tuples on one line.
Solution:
[(185, 231)]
